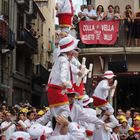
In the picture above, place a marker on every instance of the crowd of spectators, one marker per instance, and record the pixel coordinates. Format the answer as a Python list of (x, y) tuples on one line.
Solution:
[(11, 119), (129, 19), (130, 124)]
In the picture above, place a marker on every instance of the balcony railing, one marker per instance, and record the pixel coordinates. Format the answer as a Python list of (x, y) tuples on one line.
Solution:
[(27, 39), (125, 38), (23, 3)]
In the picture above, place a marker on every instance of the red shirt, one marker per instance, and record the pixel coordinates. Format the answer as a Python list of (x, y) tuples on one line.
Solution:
[(136, 128)]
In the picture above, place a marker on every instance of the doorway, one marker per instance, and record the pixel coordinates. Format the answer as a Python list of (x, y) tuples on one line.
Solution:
[(128, 91)]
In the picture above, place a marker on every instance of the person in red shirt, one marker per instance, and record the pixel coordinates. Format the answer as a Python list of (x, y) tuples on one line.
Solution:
[(136, 123)]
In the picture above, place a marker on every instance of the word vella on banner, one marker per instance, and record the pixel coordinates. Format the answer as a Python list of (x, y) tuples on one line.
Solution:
[(99, 32)]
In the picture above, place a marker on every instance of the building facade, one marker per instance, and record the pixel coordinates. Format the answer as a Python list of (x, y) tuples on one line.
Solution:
[(7, 42), (47, 8), (43, 58), (23, 63), (123, 60)]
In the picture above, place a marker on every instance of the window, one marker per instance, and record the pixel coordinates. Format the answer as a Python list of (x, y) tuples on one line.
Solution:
[(19, 63), (49, 34), (28, 66), (5, 7), (53, 14), (20, 24), (53, 38)]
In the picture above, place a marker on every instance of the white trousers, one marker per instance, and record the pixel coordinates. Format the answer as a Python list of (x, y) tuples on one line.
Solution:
[(61, 110), (108, 107)]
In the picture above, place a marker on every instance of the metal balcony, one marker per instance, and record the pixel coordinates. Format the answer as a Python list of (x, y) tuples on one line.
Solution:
[(119, 47), (26, 41), (23, 3)]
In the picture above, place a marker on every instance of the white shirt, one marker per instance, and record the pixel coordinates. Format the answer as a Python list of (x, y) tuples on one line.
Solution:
[(75, 64), (102, 90), (100, 17), (101, 134), (124, 131), (64, 6), (90, 13), (55, 54), (89, 112), (29, 123), (2, 17), (74, 134), (78, 115), (130, 121), (9, 131), (45, 118), (60, 71), (115, 136)]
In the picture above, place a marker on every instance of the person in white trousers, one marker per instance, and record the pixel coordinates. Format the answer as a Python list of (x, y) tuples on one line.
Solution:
[(100, 95), (60, 78)]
